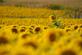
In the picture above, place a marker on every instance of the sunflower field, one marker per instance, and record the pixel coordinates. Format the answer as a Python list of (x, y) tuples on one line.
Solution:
[(27, 31)]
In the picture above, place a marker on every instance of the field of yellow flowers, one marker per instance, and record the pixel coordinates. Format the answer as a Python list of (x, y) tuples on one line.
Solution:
[(38, 36), (24, 12)]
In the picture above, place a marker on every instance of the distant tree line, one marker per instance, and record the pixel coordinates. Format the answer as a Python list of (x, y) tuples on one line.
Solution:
[(56, 7)]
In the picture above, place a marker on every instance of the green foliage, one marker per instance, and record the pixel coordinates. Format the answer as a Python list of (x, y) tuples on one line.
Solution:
[(18, 5), (1, 1), (56, 7)]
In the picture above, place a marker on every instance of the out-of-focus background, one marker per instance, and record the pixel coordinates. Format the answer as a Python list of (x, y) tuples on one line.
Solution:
[(60, 8), (41, 3)]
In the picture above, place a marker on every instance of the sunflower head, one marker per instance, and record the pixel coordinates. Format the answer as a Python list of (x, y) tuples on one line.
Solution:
[(52, 17)]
